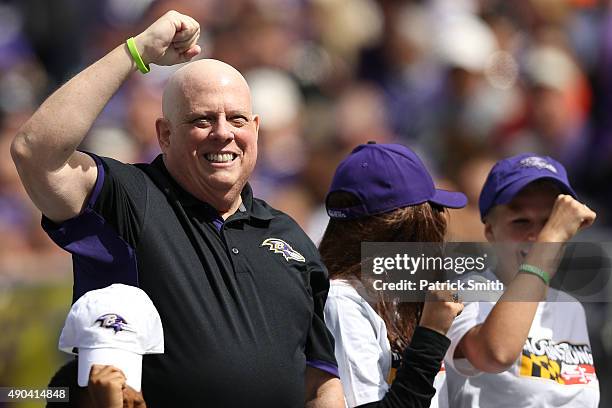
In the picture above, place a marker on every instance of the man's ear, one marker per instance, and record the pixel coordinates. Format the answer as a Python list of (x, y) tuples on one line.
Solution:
[(162, 126), (256, 121)]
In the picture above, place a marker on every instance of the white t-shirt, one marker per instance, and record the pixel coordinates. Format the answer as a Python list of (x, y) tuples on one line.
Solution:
[(362, 349), (555, 368)]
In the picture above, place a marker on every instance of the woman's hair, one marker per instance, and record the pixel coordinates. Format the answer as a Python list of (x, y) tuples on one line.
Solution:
[(340, 250)]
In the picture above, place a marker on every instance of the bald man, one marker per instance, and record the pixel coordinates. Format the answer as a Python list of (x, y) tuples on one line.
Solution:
[(238, 285)]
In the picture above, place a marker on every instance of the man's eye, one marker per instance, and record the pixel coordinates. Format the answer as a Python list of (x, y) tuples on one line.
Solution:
[(202, 122), (239, 121)]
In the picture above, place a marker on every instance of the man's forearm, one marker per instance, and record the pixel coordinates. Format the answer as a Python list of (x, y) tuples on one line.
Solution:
[(56, 129)]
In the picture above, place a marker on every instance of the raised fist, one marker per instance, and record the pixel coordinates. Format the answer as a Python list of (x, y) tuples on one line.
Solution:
[(568, 216), (172, 39)]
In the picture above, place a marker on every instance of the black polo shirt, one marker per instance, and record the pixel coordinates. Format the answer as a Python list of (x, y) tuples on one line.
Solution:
[(241, 301)]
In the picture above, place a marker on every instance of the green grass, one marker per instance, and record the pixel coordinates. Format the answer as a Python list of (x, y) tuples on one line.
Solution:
[(31, 319)]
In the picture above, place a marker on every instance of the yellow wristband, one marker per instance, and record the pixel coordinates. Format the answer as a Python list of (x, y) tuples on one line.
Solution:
[(142, 67)]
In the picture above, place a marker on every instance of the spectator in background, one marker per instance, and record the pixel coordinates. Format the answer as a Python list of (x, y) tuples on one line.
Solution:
[(465, 225), (556, 101)]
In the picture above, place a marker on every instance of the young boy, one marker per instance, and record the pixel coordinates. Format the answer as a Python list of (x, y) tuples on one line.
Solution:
[(531, 347)]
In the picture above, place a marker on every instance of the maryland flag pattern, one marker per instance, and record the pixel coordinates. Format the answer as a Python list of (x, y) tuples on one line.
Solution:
[(562, 362)]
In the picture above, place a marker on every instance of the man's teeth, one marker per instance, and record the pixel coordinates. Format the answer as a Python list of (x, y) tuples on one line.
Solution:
[(219, 158)]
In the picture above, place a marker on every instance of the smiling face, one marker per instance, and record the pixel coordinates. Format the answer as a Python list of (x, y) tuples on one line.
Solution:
[(209, 134), (517, 224)]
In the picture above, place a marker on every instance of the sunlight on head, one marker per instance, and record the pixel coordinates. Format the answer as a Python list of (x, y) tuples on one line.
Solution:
[(201, 78)]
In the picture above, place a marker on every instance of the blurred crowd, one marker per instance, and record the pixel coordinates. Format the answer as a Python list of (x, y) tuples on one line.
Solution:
[(463, 82)]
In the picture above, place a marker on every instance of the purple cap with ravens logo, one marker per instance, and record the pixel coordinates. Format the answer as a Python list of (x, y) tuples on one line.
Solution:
[(511, 175), (385, 177)]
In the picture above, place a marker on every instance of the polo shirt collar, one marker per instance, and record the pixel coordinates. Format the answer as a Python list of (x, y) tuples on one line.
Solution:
[(248, 208), (254, 208)]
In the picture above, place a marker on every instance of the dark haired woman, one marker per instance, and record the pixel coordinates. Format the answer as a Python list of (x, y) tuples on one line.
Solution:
[(388, 352)]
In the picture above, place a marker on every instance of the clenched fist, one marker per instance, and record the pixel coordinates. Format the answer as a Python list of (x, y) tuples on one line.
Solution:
[(568, 216), (108, 389), (440, 309), (172, 39)]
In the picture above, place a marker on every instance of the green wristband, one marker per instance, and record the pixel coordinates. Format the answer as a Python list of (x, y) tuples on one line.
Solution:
[(534, 270), (142, 67)]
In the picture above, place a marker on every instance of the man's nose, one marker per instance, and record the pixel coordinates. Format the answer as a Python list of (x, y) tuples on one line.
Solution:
[(222, 130)]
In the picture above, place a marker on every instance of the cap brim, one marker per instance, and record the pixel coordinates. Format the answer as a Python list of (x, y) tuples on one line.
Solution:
[(449, 199), (128, 362), (508, 193)]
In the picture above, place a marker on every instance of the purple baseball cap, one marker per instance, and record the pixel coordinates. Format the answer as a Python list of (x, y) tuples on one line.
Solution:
[(509, 176), (385, 177)]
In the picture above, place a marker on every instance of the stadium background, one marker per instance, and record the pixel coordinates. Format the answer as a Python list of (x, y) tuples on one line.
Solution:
[(461, 81)]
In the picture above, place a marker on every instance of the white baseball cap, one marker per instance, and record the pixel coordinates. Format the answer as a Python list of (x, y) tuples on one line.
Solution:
[(115, 326)]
